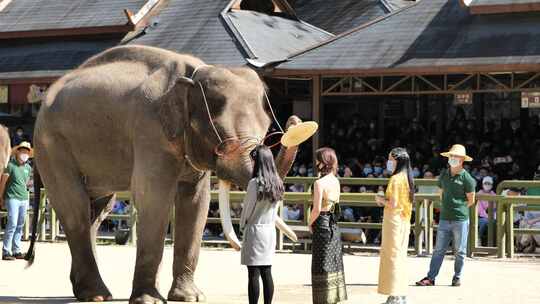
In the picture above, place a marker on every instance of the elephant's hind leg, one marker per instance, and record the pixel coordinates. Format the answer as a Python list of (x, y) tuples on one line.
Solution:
[(72, 204), (191, 211)]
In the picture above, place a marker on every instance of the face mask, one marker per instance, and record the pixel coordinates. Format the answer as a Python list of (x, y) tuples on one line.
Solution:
[(23, 157), (390, 166), (368, 171), (487, 187), (415, 173), (20, 133), (302, 170), (378, 170), (453, 162)]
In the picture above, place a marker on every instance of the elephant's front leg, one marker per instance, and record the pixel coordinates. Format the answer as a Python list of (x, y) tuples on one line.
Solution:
[(153, 193), (191, 210)]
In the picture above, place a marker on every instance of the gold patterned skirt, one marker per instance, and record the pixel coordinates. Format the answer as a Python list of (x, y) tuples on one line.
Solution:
[(327, 274), (393, 278)]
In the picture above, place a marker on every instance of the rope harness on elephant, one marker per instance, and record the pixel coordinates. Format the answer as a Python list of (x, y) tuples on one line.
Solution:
[(211, 120)]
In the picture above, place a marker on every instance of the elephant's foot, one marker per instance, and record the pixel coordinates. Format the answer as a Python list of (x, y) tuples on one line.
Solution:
[(93, 295), (187, 292), (147, 296), (91, 290)]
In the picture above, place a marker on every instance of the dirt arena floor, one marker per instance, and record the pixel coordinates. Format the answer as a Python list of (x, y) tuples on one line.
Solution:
[(224, 280)]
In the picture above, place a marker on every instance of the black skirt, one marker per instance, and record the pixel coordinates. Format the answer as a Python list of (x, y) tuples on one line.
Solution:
[(327, 275)]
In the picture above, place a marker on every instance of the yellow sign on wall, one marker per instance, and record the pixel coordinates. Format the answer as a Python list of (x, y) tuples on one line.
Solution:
[(3, 94)]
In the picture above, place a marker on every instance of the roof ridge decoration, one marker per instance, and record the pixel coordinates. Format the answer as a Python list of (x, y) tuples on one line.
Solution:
[(3, 4), (136, 18), (354, 30)]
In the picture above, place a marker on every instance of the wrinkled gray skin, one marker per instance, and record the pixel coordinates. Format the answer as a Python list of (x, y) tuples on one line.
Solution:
[(117, 123), (5, 146)]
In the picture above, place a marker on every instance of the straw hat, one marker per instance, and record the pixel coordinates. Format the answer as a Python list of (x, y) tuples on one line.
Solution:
[(23, 145), (299, 133), (459, 151)]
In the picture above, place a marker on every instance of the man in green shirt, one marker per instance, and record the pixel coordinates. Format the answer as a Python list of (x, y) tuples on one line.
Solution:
[(15, 196), (458, 189)]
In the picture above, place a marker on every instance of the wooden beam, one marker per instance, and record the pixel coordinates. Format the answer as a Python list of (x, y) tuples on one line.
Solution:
[(402, 80), (496, 81), (315, 111), (504, 8), (431, 84), (457, 85), (95, 30), (432, 92), (427, 70), (335, 85), (529, 80), (364, 83)]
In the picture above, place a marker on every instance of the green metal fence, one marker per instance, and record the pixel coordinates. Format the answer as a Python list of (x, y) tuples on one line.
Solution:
[(423, 226)]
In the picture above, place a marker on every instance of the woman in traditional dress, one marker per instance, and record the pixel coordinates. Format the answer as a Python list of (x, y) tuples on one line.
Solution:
[(258, 223), (327, 276), (396, 227)]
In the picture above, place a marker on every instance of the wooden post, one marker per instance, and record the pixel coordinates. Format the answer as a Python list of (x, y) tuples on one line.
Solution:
[(54, 226), (133, 223), (473, 231), (418, 228), (26, 232), (425, 226), (43, 226), (491, 222), (500, 229), (315, 111), (510, 230), (429, 223)]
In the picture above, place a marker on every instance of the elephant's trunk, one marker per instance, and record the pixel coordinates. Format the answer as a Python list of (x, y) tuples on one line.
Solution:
[(287, 155)]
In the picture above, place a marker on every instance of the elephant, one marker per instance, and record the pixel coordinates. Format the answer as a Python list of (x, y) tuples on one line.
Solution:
[(157, 123), (5, 146)]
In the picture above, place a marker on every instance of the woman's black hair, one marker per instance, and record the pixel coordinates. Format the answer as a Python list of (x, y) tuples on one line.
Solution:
[(269, 184), (404, 165)]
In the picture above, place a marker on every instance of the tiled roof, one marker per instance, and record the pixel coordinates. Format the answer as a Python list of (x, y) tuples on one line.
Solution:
[(29, 58), (431, 35), (273, 38), (338, 16), (198, 27), (32, 15)]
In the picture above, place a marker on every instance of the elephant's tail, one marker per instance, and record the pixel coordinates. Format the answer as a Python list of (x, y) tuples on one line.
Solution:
[(37, 198)]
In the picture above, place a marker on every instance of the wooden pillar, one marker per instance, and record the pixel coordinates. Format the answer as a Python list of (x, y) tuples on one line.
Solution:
[(315, 111)]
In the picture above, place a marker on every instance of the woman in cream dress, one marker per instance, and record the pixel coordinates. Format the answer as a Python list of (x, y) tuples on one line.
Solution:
[(397, 204)]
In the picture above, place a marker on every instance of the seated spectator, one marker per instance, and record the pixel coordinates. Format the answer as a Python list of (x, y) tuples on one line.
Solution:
[(482, 205), (428, 189), (518, 216), (351, 234), (527, 243), (292, 212), (19, 137)]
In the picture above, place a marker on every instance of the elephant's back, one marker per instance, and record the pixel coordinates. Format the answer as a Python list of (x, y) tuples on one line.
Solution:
[(152, 57)]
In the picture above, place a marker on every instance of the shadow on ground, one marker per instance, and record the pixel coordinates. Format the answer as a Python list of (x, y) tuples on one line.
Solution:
[(51, 300)]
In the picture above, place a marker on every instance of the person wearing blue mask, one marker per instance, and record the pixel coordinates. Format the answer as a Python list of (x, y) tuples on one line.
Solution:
[(368, 170), (397, 203), (458, 194)]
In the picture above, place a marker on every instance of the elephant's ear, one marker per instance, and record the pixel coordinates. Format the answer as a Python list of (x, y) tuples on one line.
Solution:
[(168, 88)]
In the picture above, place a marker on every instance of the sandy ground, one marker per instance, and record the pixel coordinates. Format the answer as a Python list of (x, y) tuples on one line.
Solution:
[(224, 280)]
